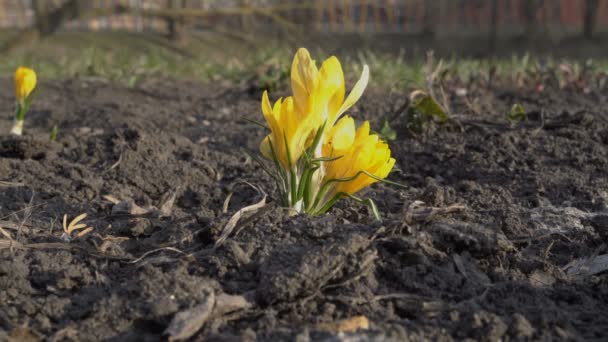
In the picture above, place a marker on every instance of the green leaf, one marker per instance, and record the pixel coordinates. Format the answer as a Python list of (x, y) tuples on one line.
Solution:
[(282, 173), (292, 173), (386, 132), (54, 134), (427, 106), (517, 114), (328, 183), (369, 202), (317, 138), (326, 159), (255, 122)]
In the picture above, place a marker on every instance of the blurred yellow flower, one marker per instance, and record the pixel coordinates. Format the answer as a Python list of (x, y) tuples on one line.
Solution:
[(25, 82)]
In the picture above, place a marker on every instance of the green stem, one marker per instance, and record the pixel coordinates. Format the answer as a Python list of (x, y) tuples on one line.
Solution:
[(292, 173), (329, 204), (20, 112)]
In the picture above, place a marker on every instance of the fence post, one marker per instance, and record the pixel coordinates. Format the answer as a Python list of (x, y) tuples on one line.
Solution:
[(590, 18), (493, 26), (175, 26), (428, 18), (363, 16), (530, 9)]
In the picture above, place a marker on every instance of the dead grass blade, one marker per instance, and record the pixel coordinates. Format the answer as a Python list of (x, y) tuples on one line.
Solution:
[(6, 234), (154, 251), (239, 214), (235, 219), (417, 211), (227, 203)]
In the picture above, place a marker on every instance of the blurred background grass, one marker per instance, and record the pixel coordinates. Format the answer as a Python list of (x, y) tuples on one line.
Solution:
[(229, 41)]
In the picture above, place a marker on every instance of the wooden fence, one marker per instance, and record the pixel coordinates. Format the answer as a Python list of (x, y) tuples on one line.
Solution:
[(379, 16)]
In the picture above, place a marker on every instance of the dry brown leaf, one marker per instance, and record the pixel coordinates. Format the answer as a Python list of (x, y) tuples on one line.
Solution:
[(23, 334), (588, 266), (225, 303), (186, 323), (130, 208), (167, 205)]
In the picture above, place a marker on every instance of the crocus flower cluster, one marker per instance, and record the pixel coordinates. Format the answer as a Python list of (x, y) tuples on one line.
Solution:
[(319, 154)]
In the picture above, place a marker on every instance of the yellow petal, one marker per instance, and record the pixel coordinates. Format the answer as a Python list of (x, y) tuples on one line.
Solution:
[(386, 169), (304, 75), (362, 131), (265, 147), (331, 79), (355, 93), (266, 107), (287, 121), (343, 134)]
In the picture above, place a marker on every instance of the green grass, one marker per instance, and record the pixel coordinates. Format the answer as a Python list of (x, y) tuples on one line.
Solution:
[(126, 57)]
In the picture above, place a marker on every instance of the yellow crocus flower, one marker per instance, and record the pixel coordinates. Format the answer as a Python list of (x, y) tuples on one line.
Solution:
[(25, 82), (287, 125), (360, 152), (321, 92)]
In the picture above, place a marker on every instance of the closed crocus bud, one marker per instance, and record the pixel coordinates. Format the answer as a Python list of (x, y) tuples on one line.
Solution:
[(25, 82)]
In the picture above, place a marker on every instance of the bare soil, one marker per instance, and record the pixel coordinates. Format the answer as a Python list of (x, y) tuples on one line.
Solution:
[(489, 253)]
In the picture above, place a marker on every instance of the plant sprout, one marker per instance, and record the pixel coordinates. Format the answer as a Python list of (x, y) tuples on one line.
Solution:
[(319, 155), (25, 82)]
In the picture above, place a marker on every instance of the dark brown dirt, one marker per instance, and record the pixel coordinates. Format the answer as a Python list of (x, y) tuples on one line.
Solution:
[(535, 198)]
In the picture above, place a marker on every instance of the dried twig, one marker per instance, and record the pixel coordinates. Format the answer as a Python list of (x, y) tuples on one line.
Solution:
[(27, 213), (10, 184)]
